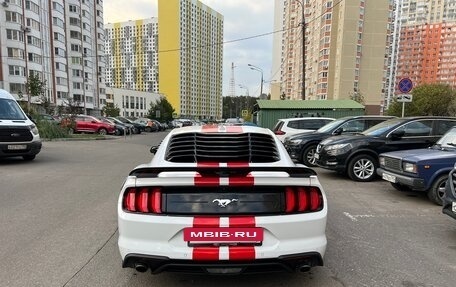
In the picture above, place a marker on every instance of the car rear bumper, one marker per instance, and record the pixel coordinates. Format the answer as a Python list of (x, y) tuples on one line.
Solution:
[(162, 237), (412, 182), (286, 263)]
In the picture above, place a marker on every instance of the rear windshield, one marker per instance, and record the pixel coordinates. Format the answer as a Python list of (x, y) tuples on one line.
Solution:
[(10, 110)]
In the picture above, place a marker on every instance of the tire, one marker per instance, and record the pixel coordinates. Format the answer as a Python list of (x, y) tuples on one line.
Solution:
[(400, 187), (28, 157), (437, 190), (118, 132), (102, 132), (362, 168), (307, 157), (148, 129)]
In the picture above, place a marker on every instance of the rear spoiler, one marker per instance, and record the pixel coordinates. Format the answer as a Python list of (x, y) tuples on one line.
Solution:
[(151, 172)]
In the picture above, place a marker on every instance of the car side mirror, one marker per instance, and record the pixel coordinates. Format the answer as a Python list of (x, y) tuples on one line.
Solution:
[(338, 131), (154, 149), (397, 135)]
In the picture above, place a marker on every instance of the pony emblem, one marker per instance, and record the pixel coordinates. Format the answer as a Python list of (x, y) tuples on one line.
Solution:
[(224, 202)]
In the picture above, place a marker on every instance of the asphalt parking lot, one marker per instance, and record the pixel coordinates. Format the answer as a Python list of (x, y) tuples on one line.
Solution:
[(59, 226)]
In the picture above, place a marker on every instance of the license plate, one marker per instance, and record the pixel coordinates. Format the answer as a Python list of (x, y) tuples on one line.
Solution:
[(389, 177), (17, 146), (220, 235), (317, 156), (453, 206)]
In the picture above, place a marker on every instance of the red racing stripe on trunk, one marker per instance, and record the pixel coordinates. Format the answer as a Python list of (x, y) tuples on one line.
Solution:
[(206, 253), (241, 253), (245, 221), (207, 181), (238, 164), (207, 164), (206, 221), (241, 181)]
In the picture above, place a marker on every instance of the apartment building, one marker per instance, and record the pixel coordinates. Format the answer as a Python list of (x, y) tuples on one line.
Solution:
[(191, 58), (131, 55), (345, 50), (130, 102), (61, 41), (427, 45)]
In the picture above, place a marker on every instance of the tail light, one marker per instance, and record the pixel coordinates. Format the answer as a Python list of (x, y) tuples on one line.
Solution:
[(142, 200), (303, 199), (279, 132)]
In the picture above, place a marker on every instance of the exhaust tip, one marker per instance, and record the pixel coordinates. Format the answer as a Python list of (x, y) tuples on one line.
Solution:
[(304, 268), (141, 267)]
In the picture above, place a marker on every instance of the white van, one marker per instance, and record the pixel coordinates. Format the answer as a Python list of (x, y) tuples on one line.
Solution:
[(18, 134)]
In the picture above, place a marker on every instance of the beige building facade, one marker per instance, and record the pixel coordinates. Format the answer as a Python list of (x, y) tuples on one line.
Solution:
[(346, 50)]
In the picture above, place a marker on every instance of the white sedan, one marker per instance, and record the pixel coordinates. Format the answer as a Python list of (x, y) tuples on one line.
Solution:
[(221, 199)]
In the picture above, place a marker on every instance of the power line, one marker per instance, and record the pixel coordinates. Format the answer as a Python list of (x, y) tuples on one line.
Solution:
[(195, 47)]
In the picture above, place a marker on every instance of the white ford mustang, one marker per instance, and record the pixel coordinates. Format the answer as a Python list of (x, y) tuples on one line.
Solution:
[(221, 199)]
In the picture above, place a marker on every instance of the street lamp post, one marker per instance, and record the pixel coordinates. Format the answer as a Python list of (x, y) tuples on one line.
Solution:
[(261, 71), (303, 52)]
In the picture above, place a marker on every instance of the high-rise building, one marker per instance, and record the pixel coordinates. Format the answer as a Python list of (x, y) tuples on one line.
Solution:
[(131, 55), (60, 41), (191, 57), (427, 42), (345, 51)]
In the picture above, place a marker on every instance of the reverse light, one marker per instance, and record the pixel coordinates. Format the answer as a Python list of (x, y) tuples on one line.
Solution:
[(303, 199), (142, 200), (409, 167)]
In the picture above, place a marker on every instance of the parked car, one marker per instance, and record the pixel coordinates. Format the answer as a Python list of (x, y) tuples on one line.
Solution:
[(150, 125), (47, 118), (301, 147), (235, 204), (292, 126), (121, 129), (449, 197), (129, 128), (89, 124), (357, 154), (421, 169), (138, 126), (18, 134)]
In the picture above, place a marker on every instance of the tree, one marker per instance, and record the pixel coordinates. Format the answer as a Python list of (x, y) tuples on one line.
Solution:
[(110, 111), (35, 87), (357, 96), (161, 110), (428, 100)]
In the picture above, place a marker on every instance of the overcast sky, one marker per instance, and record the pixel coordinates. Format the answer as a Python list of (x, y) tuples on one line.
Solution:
[(242, 19)]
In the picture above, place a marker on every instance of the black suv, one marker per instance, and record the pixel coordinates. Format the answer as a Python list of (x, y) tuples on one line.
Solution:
[(301, 147), (357, 154)]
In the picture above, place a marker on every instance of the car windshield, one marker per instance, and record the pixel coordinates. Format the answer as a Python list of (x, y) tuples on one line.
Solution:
[(10, 110), (332, 125), (448, 140), (382, 127)]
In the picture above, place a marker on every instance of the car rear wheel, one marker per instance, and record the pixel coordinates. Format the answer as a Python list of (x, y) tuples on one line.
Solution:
[(362, 168), (437, 190), (308, 156), (148, 129), (102, 132)]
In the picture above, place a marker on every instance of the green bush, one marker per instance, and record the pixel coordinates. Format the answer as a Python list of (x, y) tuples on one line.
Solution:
[(51, 130)]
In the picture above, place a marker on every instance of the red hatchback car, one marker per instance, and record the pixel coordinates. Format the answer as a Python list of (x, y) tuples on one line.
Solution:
[(90, 124)]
